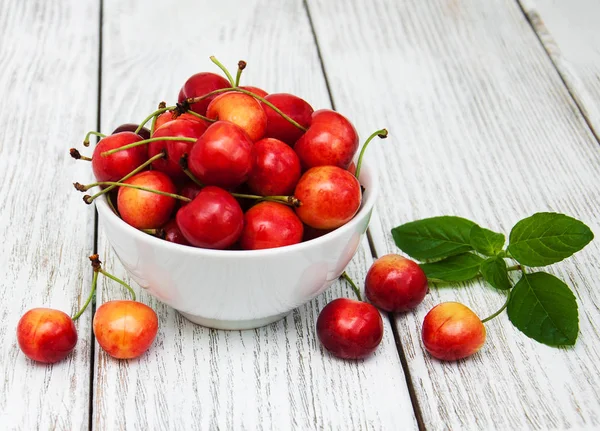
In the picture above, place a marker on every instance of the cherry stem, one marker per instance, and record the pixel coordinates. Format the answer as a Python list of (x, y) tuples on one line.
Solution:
[(141, 167), (153, 115), (88, 199), (86, 141), (346, 277), (161, 105), (97, 266), (500, 310), (89, 298), (146, 141), (195, 114), (287, 200), (118, 280), (77, 155), (183, 164), (249, 93), (241, 66), (224, 69), (382, 134)]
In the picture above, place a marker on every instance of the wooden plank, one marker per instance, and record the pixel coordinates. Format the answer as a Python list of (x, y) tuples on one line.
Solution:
[(48, 82), (569, 32), (481, 126), (276, 377)]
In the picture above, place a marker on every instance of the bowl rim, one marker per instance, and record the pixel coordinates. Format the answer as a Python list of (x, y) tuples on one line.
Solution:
[(367, 205)]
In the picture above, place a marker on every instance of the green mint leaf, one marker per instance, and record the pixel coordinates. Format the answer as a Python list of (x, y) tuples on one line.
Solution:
[(462, 267), (546, 238), (494, 271), (486, 241), (434, 238), (544, 308)]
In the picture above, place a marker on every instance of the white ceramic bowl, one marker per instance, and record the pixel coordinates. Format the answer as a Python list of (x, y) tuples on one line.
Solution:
[(230, 289)]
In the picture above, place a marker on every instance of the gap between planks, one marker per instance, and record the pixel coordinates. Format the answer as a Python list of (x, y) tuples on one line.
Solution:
[(93, 304), (544, 37)]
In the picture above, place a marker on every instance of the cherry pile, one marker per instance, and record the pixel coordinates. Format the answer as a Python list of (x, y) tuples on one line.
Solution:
[(231, 167)]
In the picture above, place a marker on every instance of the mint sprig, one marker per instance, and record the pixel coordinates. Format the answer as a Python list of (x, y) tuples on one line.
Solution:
[(456, 249)]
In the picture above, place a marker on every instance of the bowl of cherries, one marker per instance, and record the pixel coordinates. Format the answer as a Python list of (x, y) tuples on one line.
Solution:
[(233, 206)]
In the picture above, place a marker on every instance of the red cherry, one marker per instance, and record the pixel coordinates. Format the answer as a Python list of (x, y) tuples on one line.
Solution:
[(270, 225), (142, 209), (115, 166), (213, 219), (395, 283), (329, 196), (294, 107), (131, 127), (258, 91), (189, 190), (350, 329), (173, 234), (221, 156), (242, 110), (125, 329), (312, 233), (46, 335), (175, 149), (330, 140), (275, 168), (452, 331), (199, 85)]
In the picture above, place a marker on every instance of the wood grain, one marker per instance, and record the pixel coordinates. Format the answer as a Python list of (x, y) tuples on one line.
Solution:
[(481, 126), (277, 377), (569, 32), (48, 82)]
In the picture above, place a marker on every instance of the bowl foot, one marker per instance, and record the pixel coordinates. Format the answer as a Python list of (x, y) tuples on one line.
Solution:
[(233, 325)]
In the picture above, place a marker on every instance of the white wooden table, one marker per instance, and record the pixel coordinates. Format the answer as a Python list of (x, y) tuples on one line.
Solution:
[(493, 113)]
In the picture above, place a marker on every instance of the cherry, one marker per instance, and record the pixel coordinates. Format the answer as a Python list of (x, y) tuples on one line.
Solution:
[(213, 219), (452, 331), (145, 209), (173, 233), (222, 155), (131, 127), (330, 197), (270, 225), (189, 190), (125, 329), (115, 166), (242, 110), (395, 283), (258, 91), (174, 149), (350, 329), (330, 140), (46, 335), (312, 233), (275, 168), (200, 84), (296, 108)]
